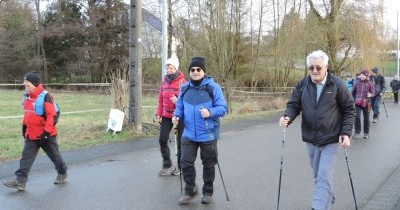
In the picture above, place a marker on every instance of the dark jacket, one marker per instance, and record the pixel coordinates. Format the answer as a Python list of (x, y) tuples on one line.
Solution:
[(188, 108), (379, 83), (323, 121), (395, 85)]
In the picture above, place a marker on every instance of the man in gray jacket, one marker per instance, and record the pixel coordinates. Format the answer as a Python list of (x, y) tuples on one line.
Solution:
[(327, 110), (380, 88)]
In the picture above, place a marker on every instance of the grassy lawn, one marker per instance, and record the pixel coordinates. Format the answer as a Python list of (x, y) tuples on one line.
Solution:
[(86, 129), (75, 130)]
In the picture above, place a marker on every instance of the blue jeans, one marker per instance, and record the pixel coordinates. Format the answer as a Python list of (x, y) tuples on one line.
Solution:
[(208, 155), (375, 106), (322, 160)]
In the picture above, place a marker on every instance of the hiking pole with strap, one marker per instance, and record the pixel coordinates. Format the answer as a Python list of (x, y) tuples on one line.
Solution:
[(280, 173), (385, 108), (216, 158), (351, 180)]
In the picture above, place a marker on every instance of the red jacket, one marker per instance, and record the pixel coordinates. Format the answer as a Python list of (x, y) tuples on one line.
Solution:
[(35, 124), (165, 107)]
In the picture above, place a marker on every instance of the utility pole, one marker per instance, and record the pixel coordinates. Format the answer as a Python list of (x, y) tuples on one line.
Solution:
[(398, 56), (135, 66), (164, 41)]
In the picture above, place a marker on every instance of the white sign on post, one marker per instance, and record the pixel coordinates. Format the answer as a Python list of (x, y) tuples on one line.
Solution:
[(115, 120)]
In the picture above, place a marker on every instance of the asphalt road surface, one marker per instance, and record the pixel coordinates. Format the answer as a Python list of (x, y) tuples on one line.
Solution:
[(125, 175)]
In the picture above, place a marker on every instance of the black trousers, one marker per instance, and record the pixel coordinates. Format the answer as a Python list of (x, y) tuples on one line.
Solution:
[(357, 124), (165, 129), (29, 153), (208, 155), (396, 97)]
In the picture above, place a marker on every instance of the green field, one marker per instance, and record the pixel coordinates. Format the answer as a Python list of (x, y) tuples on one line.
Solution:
[(88, 128), (74, 130)]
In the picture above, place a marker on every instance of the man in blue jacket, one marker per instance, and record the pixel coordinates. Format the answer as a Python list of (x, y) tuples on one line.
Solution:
[(200, 105)]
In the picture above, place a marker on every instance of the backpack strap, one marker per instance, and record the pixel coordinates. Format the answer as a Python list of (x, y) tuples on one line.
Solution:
[(207, 88), (39, 103)]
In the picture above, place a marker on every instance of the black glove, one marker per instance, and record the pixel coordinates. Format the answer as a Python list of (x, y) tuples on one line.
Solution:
[(23, 130), (44, 138)]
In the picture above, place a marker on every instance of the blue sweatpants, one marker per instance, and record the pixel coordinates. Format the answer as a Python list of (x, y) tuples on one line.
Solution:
[(322, 160)]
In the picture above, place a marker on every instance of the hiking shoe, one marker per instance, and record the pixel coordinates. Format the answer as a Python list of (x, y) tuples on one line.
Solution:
[(187, 198), (175, 172), (167, 171), (20, 186), (61, 178), (207, 199), (366, 136), (375, 120), (356, 136)]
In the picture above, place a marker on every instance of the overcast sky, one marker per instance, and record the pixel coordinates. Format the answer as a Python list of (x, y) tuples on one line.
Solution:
[(392, 7)]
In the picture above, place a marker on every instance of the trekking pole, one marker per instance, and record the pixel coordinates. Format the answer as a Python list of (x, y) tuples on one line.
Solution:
[(216, 158), (385, 108), (351, 180), (178, 159), (280, 173)]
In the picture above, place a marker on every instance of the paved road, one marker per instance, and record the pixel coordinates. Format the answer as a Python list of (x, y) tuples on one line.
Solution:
[(124, 175)]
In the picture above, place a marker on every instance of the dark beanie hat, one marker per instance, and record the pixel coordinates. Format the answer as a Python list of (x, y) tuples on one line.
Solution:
[(365, 72), (197, 62), (375, 70), (33, 77)]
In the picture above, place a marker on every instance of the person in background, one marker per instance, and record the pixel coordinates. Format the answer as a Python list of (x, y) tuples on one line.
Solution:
[(349, 81), (168, 95), (380, 87), (363, 90), (327, 111), (395, 85), (200, 105), (39, 131)]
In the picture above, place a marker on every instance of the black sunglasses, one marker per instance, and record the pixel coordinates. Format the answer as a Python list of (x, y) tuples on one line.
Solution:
[(195, 69), (311, 68)]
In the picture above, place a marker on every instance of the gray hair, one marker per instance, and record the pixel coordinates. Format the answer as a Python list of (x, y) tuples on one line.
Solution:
[(319, 54)]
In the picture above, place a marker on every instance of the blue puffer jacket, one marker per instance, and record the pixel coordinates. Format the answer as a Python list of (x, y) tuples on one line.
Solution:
[(188, 108)]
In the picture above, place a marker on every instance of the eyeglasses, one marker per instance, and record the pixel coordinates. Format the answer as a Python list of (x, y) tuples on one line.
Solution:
[(311, 68), (195, 69)]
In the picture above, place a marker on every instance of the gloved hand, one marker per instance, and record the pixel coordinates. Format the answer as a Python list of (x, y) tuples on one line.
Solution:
[(44, 138), (23, 130)]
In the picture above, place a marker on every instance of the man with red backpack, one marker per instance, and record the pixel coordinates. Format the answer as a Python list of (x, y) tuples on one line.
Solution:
[(39, 131)]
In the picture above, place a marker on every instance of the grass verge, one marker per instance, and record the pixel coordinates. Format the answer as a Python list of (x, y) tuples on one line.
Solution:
[(84, 116)]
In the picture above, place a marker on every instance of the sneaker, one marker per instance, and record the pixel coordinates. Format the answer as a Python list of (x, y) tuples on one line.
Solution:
[(366, 136), (207, 199), (187, 198), (175, 172), (375, 120), (20, 186), (356, 136), (167, 171), (61, 178)]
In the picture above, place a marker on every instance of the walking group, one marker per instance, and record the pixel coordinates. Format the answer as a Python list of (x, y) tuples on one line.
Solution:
[(367, 90), (329, 109)]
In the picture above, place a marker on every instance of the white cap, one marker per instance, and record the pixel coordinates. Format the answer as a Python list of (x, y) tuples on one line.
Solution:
[(173, 61)]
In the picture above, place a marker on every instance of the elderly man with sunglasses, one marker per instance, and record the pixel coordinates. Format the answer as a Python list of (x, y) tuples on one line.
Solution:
[(200, 105), (327, 110)]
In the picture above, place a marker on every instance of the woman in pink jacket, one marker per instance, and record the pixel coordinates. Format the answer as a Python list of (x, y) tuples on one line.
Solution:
[(168, 95), (362, 92)]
